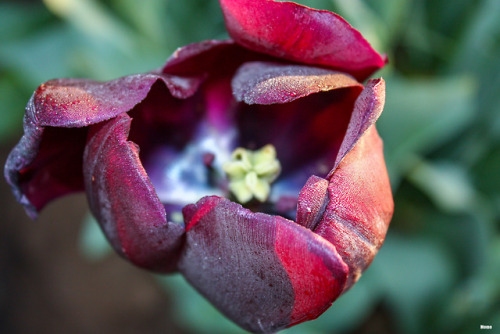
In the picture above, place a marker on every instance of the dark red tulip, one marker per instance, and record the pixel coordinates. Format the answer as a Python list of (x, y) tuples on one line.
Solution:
[(276, 119)]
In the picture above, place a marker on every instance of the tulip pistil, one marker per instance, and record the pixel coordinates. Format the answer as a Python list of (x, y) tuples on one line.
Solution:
[(251, 173)]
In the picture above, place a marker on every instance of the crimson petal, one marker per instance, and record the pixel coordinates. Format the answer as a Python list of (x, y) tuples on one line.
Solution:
[(298, 33), (360, 208), (360, 200), (124, 201), (367, 110), (264, 272), (312, 202)]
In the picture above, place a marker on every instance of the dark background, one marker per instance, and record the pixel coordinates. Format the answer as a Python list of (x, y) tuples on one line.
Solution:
[(439, 269)]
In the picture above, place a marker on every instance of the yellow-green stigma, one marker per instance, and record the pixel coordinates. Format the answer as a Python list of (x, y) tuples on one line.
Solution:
[(250, 173)]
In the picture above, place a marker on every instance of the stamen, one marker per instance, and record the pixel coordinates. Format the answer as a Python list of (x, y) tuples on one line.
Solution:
[(251, 173)]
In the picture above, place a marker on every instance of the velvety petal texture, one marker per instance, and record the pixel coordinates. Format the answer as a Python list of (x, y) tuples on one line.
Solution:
[(312, 202), (360, 208), (360, 199), (267, 83), (298, 33), (367, 110), (124, 201), (46, 163), (262, 271), (149, 150), (80, 102)]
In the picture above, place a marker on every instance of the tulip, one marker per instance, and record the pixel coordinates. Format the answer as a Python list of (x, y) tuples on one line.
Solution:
[(251, 165)]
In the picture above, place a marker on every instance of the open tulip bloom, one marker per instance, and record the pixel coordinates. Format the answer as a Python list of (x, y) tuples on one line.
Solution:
[(252, 165)]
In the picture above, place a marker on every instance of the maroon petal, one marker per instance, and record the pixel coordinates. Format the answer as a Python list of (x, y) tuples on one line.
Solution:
[(262, 271), (198, 58), (298, 33), (360, 208), (80, 102), (46, 163), (269, 83), (212, 57), (303, 130), (124, 201)]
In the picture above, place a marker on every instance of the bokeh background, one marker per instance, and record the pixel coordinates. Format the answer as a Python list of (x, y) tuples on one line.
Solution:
[(439, 269)]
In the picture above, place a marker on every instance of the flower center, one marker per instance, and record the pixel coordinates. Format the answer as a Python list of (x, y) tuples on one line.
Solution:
[(251, 173)]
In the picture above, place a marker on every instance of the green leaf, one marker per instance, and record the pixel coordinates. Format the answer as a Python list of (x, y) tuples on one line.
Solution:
[(150, 18), (41, 56), (13, 102), (92, 19), (420, 115), (19, 20), (475, 300), (412, 274), (482, 25), (447, 184), (188, 16), (486, 171)]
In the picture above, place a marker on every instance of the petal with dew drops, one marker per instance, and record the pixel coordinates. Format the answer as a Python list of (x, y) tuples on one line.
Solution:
[(46, 163), (124, 201), (270, 83), (264, 272), (312, 202), (361, 205), (80, 102), (298, 33)]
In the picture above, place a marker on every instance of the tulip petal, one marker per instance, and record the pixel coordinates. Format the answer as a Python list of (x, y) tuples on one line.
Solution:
[(46, 163), (298, 33), (200, 58), (124, 201), (80, 102), (264, 272), (360, 208), (210, 58), (367, 110), (361, 205), (270, 83), (306, 132), (312, 202)]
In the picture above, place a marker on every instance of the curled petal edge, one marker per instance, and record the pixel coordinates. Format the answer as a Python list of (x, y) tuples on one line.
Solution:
[(367, 109), (72, 103), (360, 205), (270, 83), (124, 201), (352, 207)]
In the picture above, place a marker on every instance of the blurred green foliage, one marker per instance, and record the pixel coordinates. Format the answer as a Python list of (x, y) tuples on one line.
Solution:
[(439, 269)]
